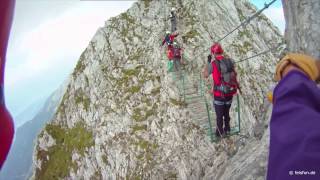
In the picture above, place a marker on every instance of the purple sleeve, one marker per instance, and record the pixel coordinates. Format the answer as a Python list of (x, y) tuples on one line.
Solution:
[(295, 129)]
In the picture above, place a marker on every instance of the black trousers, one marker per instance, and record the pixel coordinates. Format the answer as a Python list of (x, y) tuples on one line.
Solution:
[(222, 108), (173, 24)]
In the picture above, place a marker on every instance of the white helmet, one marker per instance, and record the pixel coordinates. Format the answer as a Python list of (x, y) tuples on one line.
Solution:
[(168, 32), (173, 9)]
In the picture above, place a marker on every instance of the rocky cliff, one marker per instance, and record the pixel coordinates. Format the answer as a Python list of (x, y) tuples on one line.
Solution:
[(302, 26), (122, 116)]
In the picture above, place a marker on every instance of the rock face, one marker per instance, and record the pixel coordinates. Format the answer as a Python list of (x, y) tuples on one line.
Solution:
[(302, 26), (122, 116)]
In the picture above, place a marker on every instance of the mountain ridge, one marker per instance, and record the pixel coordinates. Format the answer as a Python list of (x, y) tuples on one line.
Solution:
[(132, 120)]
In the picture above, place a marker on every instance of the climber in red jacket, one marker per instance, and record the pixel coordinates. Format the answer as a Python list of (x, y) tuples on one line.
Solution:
[(174, 54), (6, 124), (169, 38), (225, 87)]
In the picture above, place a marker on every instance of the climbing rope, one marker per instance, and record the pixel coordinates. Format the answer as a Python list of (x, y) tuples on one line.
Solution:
[(259, 54), (247, 21)]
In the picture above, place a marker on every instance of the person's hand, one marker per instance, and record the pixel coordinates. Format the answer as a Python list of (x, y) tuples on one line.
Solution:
[(270, 96), (209, 58), (300, 62)]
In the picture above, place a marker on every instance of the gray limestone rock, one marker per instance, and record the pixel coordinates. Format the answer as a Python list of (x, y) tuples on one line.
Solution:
[(123, 115)]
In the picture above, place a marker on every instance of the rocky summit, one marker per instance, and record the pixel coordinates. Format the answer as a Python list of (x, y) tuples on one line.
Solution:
[(124, 116)]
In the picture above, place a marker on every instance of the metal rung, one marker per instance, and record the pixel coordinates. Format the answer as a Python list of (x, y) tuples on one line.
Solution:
[(194, 97), (199, 111), (200, 118), (198, 105)]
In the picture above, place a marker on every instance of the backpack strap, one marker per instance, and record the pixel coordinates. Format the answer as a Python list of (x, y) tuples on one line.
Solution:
[(229, 63), (218, 65)]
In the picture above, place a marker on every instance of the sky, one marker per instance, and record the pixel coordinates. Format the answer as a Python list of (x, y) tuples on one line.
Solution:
[(48, 36), (46, 40), (274, 12)]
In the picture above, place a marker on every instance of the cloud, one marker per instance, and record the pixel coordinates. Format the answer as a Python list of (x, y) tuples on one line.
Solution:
[(43, 50), (46, 46)]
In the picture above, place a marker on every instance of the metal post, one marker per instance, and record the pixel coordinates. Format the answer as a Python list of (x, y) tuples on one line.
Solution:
[(238, 102)]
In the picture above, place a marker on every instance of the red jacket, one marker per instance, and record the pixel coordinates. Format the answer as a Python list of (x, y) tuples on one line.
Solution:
[(6, 124), (170, 52), (216, 76), (173, 52), (170, 38)]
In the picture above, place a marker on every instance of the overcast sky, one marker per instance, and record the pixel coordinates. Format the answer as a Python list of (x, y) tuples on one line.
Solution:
[(48, 37), (46, 40)]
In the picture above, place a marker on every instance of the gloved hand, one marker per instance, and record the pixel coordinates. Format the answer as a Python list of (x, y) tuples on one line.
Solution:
[(300, 62), (269, 94), (209, 58)]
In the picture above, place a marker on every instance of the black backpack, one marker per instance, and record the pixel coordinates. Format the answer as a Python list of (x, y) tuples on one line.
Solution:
[(227, 74)]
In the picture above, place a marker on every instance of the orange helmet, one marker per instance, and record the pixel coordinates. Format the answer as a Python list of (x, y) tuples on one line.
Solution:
[(216, 49)]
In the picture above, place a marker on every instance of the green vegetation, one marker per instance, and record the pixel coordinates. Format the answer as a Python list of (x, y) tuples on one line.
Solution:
[(97, 175), (134, 89), (87, 80), (147, 3), (246, 33), (139, 115), (126, 85), (124, 32), (136, 55), (262, 17), (143, 144), (247, 46), (131, 72), (81, 98), (80, 66), (127, 75), (127, 17), (145, 157), (105, 158), (189, 19), (57, 161), (147, 146), (61, 107), (242, 49), (137, 128), (240, 15), (172, 175), (177, 102), (155, 91), (190, 35)]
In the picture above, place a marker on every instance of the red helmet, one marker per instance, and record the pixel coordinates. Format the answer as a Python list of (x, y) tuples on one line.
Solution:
[(216, 49)]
